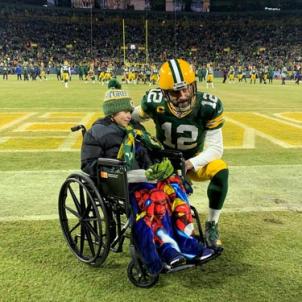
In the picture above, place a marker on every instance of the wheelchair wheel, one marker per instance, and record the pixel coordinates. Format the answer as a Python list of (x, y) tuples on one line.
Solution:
[(139, 276), (84, 219)]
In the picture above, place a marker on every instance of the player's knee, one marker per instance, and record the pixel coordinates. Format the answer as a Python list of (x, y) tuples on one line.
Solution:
[(215, 167), (221, 178)]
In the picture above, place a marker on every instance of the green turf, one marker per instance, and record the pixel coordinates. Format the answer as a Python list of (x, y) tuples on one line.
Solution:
[(268, 189), (257, 265), (263, 245)]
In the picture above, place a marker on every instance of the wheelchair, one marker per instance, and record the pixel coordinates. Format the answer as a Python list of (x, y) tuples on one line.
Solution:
[(96, 216)]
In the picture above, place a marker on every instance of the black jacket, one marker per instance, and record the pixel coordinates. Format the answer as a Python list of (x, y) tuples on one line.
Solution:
[(104, 139)]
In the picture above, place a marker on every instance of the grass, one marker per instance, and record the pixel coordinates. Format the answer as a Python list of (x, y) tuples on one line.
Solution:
[(253, 268), (256, 266), (262, 242)]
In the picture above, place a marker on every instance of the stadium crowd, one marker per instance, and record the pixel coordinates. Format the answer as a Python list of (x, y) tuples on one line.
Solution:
[(52, 35)]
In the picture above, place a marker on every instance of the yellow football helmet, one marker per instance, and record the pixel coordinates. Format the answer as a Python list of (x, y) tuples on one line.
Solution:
[(178, 83)]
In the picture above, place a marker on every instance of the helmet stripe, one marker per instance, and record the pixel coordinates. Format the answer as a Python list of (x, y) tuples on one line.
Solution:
[(176, 71)]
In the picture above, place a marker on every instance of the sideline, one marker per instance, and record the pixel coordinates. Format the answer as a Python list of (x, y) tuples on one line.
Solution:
[(33, 194), (227, 211)]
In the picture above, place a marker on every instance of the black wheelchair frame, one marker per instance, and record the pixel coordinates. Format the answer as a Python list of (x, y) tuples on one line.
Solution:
[(96, 214)]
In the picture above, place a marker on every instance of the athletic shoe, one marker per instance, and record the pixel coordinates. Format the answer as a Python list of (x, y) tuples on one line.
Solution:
[(212, 235)]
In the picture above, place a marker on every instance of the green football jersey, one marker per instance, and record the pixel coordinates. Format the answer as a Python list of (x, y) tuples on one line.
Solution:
[(185, 134)]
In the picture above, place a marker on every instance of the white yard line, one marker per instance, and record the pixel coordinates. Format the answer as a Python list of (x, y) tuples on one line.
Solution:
[(72, 137), (53, 109), (275, 140), (249, 135), (17, 120), (29, 217), (67, 170), (225, 210), (281, 116), (25, 127), (7, 138), (75, 115), (278, 120), (264, 201), (37, 150)]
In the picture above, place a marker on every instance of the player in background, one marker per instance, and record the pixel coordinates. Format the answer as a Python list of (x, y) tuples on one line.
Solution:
[(253, 75), (66, 73), (210, 75)]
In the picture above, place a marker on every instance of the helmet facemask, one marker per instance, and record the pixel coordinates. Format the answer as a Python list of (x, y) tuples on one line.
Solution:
[(181, 99)]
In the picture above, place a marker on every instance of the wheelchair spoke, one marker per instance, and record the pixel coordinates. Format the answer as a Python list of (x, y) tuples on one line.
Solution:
[(82, 196), (70, 231), (99, 239), (92, 230), (89, 239), (94, 219), (88, 208), (73, 212), (82, 241), (75, 199), (141, 277), (84, 219)]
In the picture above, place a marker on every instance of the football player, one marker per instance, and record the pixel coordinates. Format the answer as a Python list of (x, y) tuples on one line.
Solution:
[(253, 75), (231, 75), (240, 74), (66, 72), (154, 75), (191, 122), (210, 75)]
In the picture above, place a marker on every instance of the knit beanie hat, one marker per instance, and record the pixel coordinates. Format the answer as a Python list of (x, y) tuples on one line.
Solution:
[(114, 83), (117, 100)]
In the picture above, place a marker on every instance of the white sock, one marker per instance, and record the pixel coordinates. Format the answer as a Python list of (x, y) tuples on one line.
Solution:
[(214, 215)]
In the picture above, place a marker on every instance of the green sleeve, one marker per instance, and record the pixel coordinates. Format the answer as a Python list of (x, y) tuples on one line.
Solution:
[(151, 100), (212, 109), (144, 105)]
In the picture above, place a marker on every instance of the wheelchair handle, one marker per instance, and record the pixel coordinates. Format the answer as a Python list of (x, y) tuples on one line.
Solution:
[(79, 127)]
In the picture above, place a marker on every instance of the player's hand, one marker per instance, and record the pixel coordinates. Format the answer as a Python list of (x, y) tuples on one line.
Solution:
[(188, 165)]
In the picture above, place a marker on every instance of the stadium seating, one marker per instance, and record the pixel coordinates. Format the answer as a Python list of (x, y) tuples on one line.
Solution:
[(54, 34)]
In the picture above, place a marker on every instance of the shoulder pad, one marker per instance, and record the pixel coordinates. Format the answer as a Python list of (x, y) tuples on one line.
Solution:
[(151, 100), (209, 100), (213, 108)]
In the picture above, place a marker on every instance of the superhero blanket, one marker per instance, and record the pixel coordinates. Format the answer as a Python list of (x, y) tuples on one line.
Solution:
[(163, 226)]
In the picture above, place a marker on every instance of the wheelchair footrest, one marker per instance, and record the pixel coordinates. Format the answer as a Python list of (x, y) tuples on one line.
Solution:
[(217, 252), (190, 263), (167, 269)]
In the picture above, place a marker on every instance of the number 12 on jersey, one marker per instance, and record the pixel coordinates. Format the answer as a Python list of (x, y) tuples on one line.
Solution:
[(183, 142)]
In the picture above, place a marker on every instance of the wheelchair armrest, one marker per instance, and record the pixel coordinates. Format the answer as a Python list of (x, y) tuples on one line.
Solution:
[(171, 154), (110, 162)]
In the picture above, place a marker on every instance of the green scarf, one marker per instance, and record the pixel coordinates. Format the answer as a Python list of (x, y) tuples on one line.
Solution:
[(127, 149)]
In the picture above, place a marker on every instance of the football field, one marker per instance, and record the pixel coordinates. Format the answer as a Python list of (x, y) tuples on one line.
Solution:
[(260, 223)]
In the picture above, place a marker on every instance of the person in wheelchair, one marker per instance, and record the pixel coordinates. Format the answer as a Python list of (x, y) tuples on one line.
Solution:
[(163, 228)]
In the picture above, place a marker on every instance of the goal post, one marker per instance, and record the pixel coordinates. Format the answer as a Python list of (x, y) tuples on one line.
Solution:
[(145, 46)]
